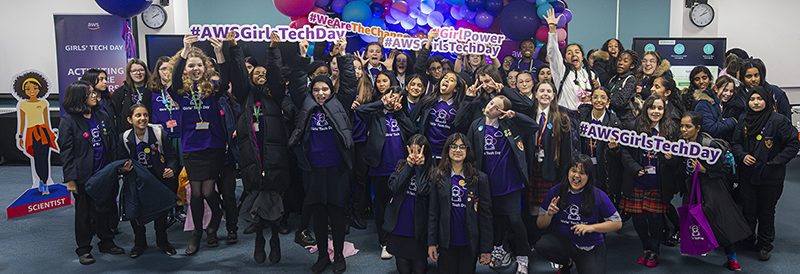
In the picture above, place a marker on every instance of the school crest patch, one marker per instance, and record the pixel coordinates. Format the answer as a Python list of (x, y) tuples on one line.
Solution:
[(768, 142), (520, 146)]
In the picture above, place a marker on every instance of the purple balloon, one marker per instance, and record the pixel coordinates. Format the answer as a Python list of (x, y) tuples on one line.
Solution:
[(389, 19), (474, 5), (568, 14), (561, 20), (338, 6), (124, 9), (442, 6), (493, 6), (413, 4), (558, 6), (519, 21), (449, 23), (322, 3), (484, 19), (377, 9), (455, 12), (467, 14)]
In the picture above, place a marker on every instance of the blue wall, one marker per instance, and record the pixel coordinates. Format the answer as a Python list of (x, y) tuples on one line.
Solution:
[(642, 18), (235, 12)]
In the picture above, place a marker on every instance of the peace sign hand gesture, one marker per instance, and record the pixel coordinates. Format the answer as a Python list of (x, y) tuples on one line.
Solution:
[(552, 209), (472, 90), (510, 114)]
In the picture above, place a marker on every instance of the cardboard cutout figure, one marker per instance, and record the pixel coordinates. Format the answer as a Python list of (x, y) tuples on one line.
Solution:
[(35, 136)]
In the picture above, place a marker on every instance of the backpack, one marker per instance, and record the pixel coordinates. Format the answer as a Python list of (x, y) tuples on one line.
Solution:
[(635, 104), (723, 145), (157, 129)]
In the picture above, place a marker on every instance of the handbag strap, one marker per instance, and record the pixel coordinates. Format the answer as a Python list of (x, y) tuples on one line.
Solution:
[(695, 196)]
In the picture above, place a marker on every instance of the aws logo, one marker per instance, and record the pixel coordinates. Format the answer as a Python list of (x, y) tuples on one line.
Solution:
[(93, 26)]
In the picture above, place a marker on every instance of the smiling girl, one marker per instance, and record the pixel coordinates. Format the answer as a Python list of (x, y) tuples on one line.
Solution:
[(134, 91), (622, 88), (436, 112), (569, 72)]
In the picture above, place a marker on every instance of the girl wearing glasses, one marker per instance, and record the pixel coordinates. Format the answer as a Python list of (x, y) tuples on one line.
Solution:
[(133, 91), (599, 151), (460, 215), (653, 66)]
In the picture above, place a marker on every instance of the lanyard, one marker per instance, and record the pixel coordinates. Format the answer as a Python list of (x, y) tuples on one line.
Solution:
[(585, 83), (592, 145), (167, 102), (257, 110), (198, 102), (541, 131), (138, 94), (649, 157)]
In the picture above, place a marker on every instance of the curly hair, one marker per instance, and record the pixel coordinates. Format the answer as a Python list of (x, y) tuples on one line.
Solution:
[(34, 77), (204, 84)]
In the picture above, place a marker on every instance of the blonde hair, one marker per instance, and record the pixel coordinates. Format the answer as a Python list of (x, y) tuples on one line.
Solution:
[(204, 84)]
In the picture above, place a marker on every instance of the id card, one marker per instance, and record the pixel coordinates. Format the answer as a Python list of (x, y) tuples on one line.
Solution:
[(540, 155), (594, 160), (171, 124), (649, 170), (201, 125), (255, 127)]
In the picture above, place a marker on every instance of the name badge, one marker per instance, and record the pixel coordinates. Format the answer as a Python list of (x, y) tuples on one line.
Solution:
[(171, 124), (594, 160), (540, 155), (201, 125), (255, 127), (649, 170)]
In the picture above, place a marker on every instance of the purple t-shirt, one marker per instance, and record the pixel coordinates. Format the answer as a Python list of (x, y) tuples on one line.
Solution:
[(440, 125), (648, 181), (97, 143), (405, 219), (194, 139), (166, 109), (410, 107), (498, 163), (392, 149), (568, 217), (359, 130), (143, 154), (458, 211), (323, 151)]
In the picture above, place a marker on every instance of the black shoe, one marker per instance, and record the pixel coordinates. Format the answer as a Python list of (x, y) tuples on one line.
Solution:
[(113, 250), (303, 238), (284, 227), (368, 213), (673, 240), (169, 250), (251, 228), (259, 255), (137, 251), (358, 222), (763, 255), (339, 265), (194, 243), (322, 263), (232, 237), (86, 259), (212, 240), (274, 250)]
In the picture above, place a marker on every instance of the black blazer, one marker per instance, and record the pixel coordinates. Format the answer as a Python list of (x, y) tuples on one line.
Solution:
[(519, 127), (122, 99), (374, 117), (161, 158), (398, 183), (770, 166), (77, 153), (666, 170), (478, 217), (551, 172), (609, 168), (472, 107)]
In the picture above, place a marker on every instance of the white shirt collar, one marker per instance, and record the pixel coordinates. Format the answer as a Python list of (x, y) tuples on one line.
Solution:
[(601, 117), (453, 173), (449, 101), (136, 137), (656, 127), (572, 192), (539, 113)]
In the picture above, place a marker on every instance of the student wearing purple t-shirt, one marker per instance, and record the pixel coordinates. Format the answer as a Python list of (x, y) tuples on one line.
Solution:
[(577, 216), (499, 148), (648, 182), (87, 141), (460, 215), (436, 112), (202, 133), (323, 143), (488, 84), (389, 127), (407, 211)]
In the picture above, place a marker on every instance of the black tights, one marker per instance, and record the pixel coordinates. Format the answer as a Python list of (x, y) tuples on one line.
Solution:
[(408, 266), (652, 223), (337, 215), (261, 242), (514, 221), (204, 190)]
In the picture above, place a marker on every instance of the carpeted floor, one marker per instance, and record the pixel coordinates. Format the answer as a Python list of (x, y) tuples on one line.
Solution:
[(44, 243)]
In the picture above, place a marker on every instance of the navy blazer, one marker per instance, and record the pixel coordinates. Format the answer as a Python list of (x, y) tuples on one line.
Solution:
[(162, 158), (77, 153), (609, 169), (398, 183), (770, 166), (473, 107), (374, 117), (519, 127), (478, 217)]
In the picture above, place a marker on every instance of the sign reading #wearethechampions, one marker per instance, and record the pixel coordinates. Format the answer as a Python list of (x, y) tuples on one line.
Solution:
[(89, 41), (651, 143)]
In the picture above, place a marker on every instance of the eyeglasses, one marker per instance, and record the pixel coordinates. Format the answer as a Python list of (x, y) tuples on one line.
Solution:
[(93, 93), (599, 97), (458, 147), (508, 62), (137, 71), (436, 69)]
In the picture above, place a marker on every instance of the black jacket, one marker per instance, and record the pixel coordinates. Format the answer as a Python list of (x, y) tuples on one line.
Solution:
[(472, 107), (778, 146), (162, 158), (519, 128), (398, 183), (337, 108), (122, 99), (666, 170), (478, 218), (608, 167), (77, 153), (550, 171), (622, 89), (373, 116)]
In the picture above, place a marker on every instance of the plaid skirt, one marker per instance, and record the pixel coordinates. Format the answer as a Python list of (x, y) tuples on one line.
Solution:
[(648, 200), (537, 188)]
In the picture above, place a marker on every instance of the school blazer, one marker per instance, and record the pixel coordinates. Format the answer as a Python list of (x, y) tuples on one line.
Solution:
[(608, 167), (374, 117), (518, 128), (162, 158), (398, 183), (771, 159), (473, 107), (478, 217), (551, 172), (77, 153), (665, 171)]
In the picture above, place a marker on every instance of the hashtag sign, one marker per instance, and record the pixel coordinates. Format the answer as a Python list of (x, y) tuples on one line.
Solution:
[(584, 128), (195, 30)]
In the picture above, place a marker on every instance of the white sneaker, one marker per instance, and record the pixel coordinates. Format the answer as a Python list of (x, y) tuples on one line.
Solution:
[(500, 257), (385, 254), (522, 265)]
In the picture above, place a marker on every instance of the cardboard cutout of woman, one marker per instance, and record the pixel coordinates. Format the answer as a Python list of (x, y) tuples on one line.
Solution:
[(35, 136)]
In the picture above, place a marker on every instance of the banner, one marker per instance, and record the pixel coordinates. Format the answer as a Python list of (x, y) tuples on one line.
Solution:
[(254, 33), (89, 41), (629, 138)]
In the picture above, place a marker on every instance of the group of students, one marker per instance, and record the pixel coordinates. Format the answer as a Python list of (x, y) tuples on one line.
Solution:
[(481, 164)]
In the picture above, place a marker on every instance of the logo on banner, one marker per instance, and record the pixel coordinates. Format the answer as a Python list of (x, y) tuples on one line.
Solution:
[(708, 49), (679, 49), (93, 25), (649, 47)]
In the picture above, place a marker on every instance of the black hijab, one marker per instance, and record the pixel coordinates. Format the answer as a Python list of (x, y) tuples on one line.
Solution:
[(756, 120)]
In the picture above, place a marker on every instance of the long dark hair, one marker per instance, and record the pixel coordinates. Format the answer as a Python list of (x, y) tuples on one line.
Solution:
[(470, 171), (376, 95), (697, 70), (754, 63), (667, 127), (155, 78), (697, 119), (421, 141), (458, 92), (92, 76), (584, 163), (75, 98), (674, 96), (559, 118), (492, 72), (409, 63)]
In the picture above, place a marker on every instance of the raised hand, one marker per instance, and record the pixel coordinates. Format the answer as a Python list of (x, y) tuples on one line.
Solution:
[(274, 40), (551, 19), (303, 48), (188, 40), (342, 43), (552, 209), (472, 90), (361, 56), (494, 86), (410, 159), (510, 114), (613, 144), (433, 34), (231, 38), (216, 43)]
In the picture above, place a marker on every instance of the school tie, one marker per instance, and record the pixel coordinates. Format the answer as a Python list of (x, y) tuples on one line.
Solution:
[(655, 132), (542, 123), (597, 122), (374, 72)]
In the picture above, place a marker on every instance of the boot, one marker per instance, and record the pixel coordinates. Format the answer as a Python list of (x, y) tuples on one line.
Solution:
[(194, 243)]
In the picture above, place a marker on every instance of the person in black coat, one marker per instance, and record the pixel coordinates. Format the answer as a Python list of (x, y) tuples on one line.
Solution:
[(406, 217), (460, 215), (146, 144), (606, 164), (323, 143), (133, 91), (763, 143), (488, 84), (754, 73), (428, 65), (87, 141)]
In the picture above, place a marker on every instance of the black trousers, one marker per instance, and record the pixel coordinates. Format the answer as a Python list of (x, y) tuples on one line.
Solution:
[(359, 183), (650, 228), (758, 207), (557, 248), (41, 157), (338, 217), (88, 222), (227, 188), (502, 223), (380, 185), (457, 260), (140, 237)]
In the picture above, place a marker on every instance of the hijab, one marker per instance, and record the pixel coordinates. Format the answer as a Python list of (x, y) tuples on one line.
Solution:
[(756, 120)]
